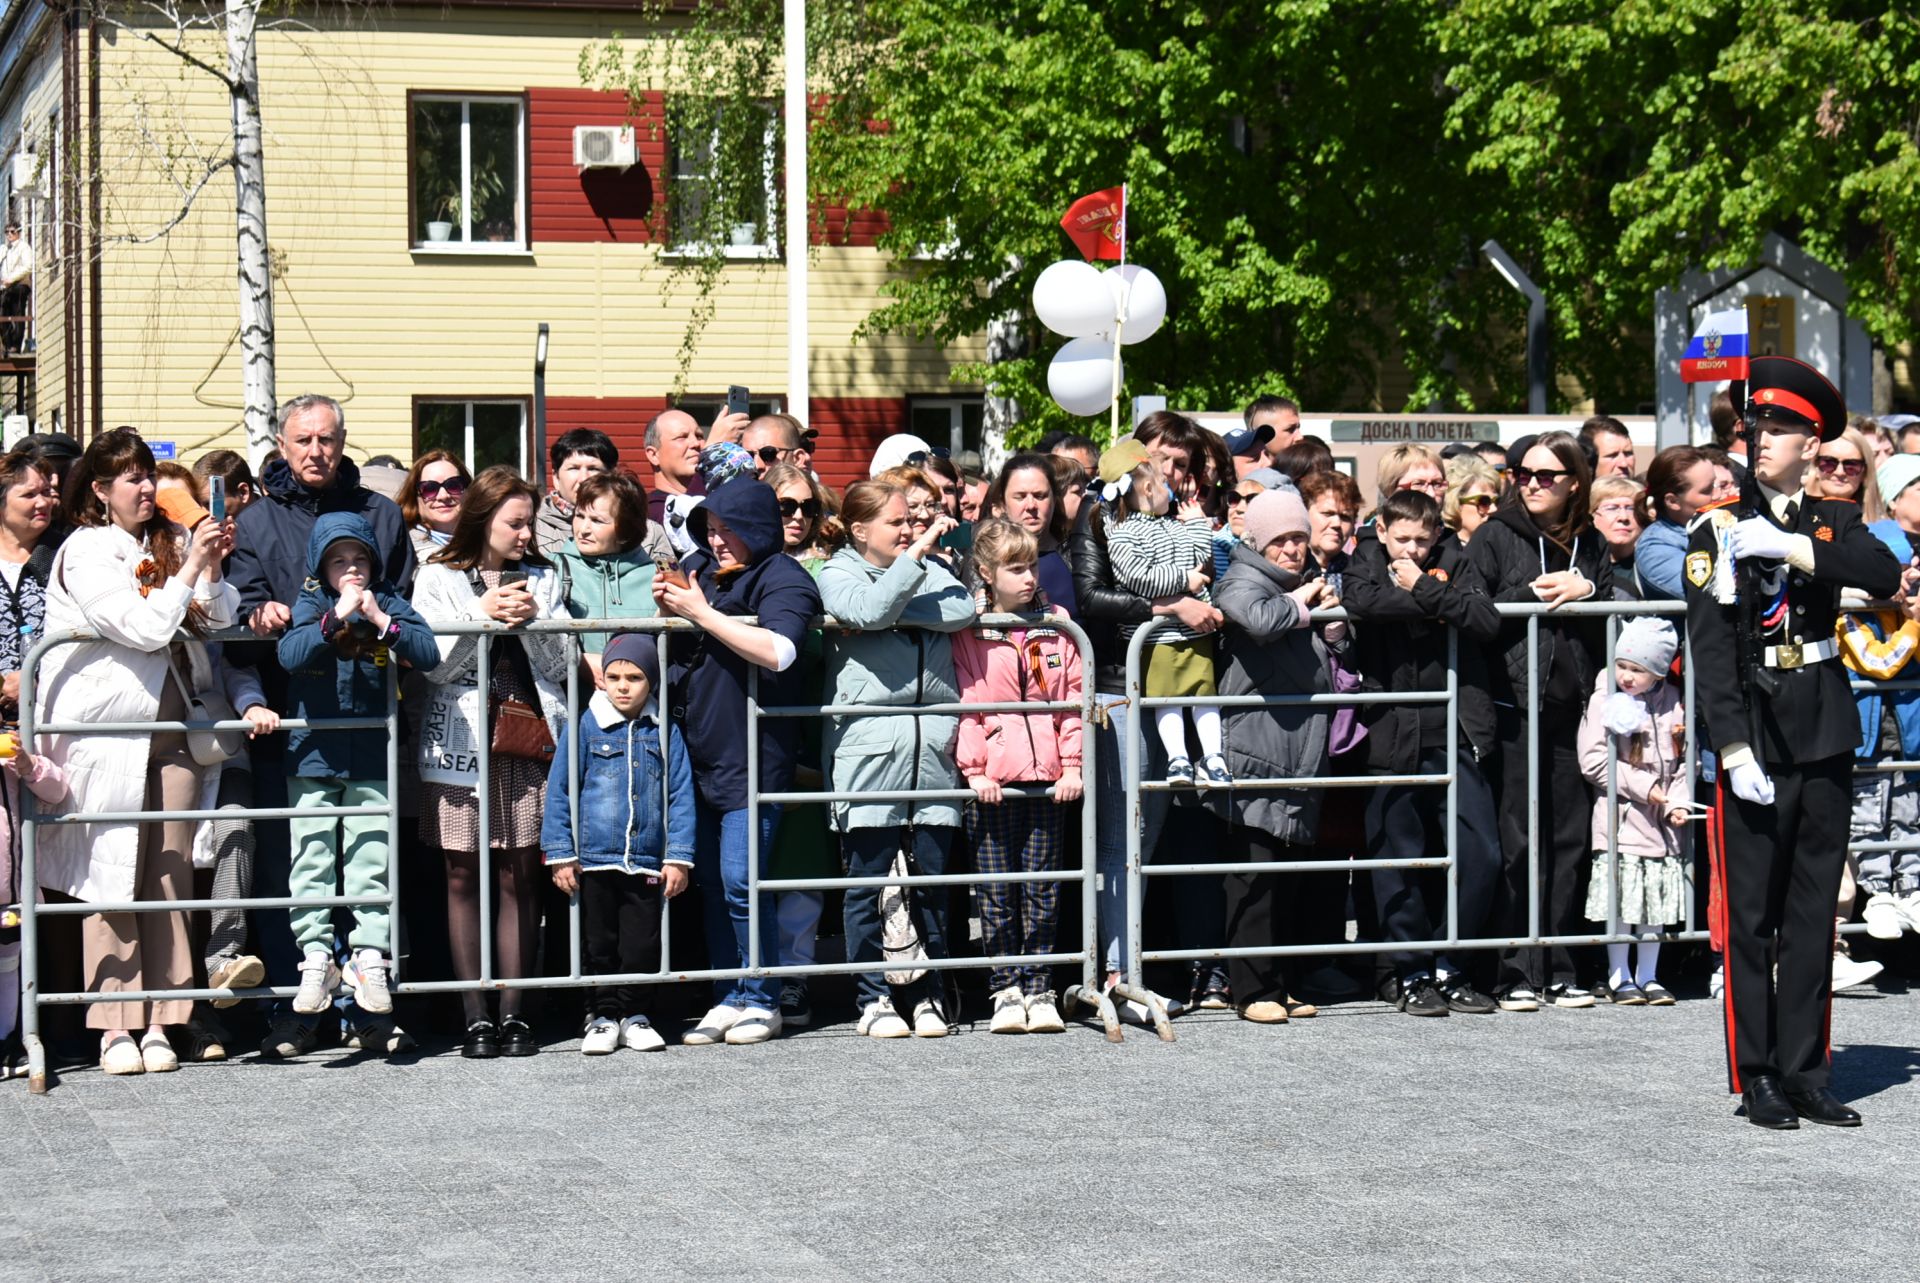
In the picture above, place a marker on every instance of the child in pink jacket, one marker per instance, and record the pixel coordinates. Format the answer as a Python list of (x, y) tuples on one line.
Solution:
[(37, 772), (1018, 834), (1646, 721)]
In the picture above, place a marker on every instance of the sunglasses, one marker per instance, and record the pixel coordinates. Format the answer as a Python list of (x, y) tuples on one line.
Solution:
[(1484, 502), (454, 488), (791, 508), (1235, 498), (1851, 469), (772, 453), (919, 457), (1547, 478)]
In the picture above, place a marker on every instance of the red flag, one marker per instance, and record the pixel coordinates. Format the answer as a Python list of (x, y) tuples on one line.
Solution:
[(1097, 224)]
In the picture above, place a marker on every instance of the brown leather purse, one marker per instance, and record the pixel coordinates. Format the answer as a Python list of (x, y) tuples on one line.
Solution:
[(520, 731)]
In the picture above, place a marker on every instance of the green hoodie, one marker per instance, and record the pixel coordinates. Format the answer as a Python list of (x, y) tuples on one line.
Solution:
[(616, 587)]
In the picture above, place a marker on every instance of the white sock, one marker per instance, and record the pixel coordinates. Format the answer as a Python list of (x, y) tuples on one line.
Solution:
[(1616, 965), (1173, 731), (1206, 724), (9, 987), (1647, 959)]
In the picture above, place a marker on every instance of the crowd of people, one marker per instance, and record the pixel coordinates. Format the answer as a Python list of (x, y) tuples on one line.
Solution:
[(1234, 545)]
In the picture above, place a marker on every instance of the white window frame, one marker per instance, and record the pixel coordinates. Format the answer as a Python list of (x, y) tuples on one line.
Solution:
[(465, 244), (466, 441), (769, 248), (956, 416)]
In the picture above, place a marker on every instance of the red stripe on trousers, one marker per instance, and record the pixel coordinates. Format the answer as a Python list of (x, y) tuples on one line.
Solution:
[(1717, 857)]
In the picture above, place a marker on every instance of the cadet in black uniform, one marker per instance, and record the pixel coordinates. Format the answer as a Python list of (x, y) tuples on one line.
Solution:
[(1763, 588)]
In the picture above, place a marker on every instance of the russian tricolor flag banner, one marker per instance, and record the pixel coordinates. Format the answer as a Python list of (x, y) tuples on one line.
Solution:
[(1719, 351)]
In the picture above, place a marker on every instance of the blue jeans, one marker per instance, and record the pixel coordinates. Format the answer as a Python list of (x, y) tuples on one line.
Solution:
[(869, 854), (720, 865), (1110, 839)]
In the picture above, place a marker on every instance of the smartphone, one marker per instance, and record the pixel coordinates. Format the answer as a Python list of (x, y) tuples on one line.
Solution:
[(736, 399), (512, 578), (217, 498)]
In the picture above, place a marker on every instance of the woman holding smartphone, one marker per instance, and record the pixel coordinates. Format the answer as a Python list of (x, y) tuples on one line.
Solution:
[(489, 570)]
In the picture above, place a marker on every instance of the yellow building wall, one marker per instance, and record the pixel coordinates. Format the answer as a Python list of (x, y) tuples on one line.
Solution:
[(363, 317)]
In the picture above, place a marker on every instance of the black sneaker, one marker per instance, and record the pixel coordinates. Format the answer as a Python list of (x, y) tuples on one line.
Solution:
[(1216, 994), (1461, 996), (796, 1012), (1419, 996)]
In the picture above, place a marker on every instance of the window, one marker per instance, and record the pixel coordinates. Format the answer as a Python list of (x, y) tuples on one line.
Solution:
[(953, 422), (468, 162), (482, 433), (732, 203)]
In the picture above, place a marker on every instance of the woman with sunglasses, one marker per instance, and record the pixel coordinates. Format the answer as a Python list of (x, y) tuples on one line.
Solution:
[(430, 500), (804, 847), (1681, 480), (1844, 469), (1541, 548), (1473, 491)]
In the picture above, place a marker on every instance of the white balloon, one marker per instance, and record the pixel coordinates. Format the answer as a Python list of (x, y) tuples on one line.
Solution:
[(1072, 298), (1081, 376), (1146, 303)]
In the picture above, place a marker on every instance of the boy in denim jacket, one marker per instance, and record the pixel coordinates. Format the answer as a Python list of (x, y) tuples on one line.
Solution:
[(625, 858), (346, 630)]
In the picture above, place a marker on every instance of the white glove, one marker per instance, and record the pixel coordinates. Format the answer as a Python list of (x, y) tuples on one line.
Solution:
[(1623, 714), (1750, 784), (1758, 537)]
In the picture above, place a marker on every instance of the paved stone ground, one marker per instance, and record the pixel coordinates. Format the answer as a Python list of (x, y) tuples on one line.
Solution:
[(1361, 1145)]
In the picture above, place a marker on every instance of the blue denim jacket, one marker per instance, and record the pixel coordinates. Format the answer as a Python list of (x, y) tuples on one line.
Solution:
[(620, 775)]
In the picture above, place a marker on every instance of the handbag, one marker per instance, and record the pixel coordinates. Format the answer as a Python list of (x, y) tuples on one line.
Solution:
[(208, 748), (519, 730), (899, 935)]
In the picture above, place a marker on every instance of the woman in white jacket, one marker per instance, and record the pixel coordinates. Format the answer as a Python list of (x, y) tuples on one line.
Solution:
[(490, 570), (134, 578)]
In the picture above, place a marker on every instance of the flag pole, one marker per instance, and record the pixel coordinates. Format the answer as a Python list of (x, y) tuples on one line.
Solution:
[(1120, 319)]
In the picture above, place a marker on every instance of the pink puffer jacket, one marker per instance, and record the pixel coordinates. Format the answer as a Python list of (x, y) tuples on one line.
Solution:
[(1643, 830), (1030, 665)]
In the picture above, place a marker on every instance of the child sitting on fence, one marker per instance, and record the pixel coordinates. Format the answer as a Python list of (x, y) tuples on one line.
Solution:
[(625, 857), (1157, 554), (347, 629), (1645, 720), (1017, 834), (49, 784)]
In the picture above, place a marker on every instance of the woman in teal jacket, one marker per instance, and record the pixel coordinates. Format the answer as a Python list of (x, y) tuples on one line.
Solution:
[(608, 568)]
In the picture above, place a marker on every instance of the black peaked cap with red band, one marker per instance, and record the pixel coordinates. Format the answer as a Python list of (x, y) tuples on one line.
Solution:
[(1790, 391)]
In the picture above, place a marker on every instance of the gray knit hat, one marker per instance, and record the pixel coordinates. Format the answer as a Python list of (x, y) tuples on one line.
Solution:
[(1648, 641)]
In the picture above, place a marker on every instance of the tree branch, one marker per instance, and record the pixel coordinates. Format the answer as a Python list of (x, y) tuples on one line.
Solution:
[(177, 49), (190, 196)]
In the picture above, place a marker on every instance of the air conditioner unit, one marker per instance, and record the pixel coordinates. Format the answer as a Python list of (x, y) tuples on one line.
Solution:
[(25, 174), (603, 147)]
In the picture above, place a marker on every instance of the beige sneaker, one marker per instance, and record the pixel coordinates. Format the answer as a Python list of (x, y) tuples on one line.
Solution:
[(1043, 1015), (157, 1054), (243, 972), (1009, 1012), (1265, 1013), (121, 1055)]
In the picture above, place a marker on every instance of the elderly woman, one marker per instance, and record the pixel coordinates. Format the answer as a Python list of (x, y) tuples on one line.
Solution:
[(1411, 467), (886, 577), (136, 580), (1272, 648), (1616, 518)]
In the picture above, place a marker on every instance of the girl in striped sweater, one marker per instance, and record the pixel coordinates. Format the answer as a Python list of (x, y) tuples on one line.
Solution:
[(1156, 552)]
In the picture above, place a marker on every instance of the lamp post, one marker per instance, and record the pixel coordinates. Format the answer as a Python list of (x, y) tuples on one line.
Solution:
[(539, 460), (1536, 323)]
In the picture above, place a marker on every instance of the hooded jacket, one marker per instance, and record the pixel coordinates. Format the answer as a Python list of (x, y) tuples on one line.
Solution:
[(339, 669), (612, 587), (1642, 828), (1026, 665), (873, 659), (708, 679), (622, 774), (1400, 644), (1510, 552), (1267, 649)]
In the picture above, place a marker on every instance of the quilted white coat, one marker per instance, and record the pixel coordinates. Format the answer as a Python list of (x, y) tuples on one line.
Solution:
[(95, 585)]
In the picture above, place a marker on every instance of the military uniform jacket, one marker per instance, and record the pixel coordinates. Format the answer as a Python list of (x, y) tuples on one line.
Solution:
[(1810, 714)]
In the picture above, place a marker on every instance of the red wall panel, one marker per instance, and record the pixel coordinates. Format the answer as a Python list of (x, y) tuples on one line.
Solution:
[(624, 418), (611, 205)]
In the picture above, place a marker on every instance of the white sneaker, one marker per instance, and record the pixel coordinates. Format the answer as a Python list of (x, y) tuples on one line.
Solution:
[(1009, 1012), (880, 1020), (1849, 972), (1043, 1015), (756, 1024), (712, 1028), (638, 1034), (1885, 921), (601, 1038), (1909, 906), (318, 979), (157, 1054), (929, 1021), (367, 972), (1718, 984)]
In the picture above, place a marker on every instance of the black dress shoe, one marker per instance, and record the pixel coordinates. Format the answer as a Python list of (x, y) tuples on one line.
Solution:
[(1822, 1106), (516, 1039), (483, 1041), (1767, 1104)]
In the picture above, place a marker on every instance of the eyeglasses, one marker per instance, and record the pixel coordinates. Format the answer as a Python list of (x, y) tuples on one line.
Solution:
[(1484, 502), (1851, 469), (922, 510), (772, 453), (791, 508), (1431, 485), (1547, 478), (1614, 510), (919, 457), (453, 486)]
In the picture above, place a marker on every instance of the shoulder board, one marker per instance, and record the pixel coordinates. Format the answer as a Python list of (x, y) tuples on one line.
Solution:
[(1852, 503)]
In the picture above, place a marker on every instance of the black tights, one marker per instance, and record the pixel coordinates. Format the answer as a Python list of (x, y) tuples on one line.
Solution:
[(516, 910)]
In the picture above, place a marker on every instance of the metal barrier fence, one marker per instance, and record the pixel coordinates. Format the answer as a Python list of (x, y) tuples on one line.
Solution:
[(1087, 992)]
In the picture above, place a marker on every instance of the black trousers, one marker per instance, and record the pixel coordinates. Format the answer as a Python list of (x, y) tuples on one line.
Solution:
[(1409, 822), (620, 926), (1779, 868), (1566, 855), (1261, 912)]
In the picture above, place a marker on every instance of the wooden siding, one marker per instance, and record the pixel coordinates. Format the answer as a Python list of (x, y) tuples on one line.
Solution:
[(609, 205)]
